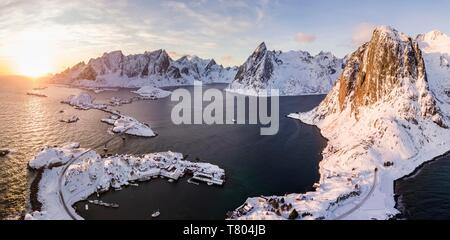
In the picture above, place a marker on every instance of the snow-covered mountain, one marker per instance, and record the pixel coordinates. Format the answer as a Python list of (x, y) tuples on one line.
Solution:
[(434, 42), (436, 48), (292, 73), (155, 68), (386, 115)]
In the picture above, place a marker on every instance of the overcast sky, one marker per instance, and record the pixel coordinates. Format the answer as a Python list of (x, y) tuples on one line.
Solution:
[(226, 30)]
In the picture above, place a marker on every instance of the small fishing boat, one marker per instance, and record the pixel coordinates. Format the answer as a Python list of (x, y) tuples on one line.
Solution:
[(72, 119), (39, 88), (36, 94), (156, 214), (4, 152), (192, 182)]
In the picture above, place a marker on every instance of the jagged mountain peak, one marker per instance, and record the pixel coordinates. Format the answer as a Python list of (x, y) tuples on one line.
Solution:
[(434, 42), (210, 65), (389, 32), (432, 36), (212, 62), (261, 48), (292, 72), (389, 69), (183, 58), (323, 53), (113, 54), (189, 58)]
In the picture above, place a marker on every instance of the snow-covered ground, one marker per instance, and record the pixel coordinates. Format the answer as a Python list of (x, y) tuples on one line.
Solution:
[(152, 92), (89, 173), (129, 125), (370, 145)]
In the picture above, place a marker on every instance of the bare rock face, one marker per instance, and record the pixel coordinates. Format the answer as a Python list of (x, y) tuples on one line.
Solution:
[(211, 66), (161, 64), (388, 62), (88, 73), (444, 62), (258, 68)]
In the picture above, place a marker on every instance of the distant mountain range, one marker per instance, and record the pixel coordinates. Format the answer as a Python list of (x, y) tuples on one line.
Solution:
[(155, 68), (293, 73)]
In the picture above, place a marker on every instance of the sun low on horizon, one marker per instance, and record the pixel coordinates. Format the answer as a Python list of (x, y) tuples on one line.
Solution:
[(32, 54)]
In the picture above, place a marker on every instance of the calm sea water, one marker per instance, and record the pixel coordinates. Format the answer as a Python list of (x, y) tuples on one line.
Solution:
[(29, 123), (255, 165), (425, 194)]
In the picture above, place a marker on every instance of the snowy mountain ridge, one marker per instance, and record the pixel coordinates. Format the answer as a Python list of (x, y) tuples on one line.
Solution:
[(436, 48), (155, 68), (386, 115), (292, 73), (434, 41)]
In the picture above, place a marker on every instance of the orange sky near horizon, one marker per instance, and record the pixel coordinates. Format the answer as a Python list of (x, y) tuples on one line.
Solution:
[(40, 37)]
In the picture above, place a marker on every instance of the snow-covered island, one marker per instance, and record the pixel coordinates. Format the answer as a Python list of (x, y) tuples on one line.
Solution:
[(152, 92), (129, 125), (83, 101), (83, 172), (121, 123), (72, 119), (292, 73), (387, 115)]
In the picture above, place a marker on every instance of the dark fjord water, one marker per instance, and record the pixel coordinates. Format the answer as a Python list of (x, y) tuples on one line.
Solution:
[(254, 164), (425, 194)]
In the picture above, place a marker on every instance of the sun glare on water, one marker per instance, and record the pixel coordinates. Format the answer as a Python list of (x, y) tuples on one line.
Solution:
[(32, 54)]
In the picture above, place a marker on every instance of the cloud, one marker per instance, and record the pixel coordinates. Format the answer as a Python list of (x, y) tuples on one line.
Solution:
[(362, 33), (81, 29), (212, 22), (227, 59), (175, 55), (301, 37)]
